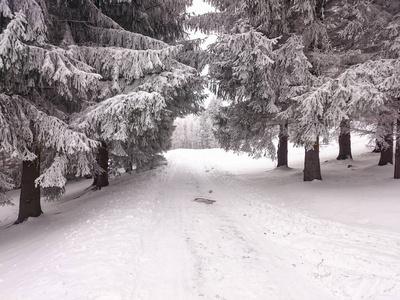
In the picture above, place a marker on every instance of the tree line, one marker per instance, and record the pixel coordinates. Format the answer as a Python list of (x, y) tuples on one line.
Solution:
[(299, 70), (197, 131)]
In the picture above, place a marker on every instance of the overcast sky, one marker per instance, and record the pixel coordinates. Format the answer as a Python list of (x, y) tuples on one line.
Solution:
[(199, 7)]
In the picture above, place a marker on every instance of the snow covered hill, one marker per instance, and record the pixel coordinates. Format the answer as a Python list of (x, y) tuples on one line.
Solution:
[(268, 235)]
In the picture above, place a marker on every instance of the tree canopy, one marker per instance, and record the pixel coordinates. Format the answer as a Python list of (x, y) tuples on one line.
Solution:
[(74, 78)]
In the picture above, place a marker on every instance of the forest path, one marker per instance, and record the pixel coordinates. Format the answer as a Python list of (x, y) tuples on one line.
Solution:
[(245, 247), (194, 250), (210, 251), (145, 238)]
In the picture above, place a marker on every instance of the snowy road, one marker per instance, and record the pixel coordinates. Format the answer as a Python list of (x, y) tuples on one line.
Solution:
[(145, 238), (208, 251)]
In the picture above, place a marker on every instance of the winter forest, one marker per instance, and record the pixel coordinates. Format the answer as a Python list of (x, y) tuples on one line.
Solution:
[(113, 106)]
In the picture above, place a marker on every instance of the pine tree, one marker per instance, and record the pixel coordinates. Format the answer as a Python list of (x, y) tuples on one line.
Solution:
[(366, 91), (159, 19), (358, 31), (155, 88), (65, 57), (33, 73), (199, 133), (335, 35), (266, 79)]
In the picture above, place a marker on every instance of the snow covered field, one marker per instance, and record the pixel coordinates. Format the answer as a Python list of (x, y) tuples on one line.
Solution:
[(269, 235)]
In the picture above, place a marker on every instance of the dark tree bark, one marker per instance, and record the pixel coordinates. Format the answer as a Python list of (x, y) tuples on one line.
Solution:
[(397, 154), (378, 147), (312, 168), (29, 201), (282, 152), (344, 141), (101, 179), (129, 168), (387, 152)]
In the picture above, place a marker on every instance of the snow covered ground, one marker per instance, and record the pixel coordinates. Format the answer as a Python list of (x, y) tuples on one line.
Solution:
[(269, 235)]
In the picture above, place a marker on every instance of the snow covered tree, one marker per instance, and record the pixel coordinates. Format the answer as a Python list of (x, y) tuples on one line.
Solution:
[(196, 131), (361, 34), (145, 88), (265, 85), (358, 31), (59, 58), (159, 19), (34, 137), (39, 85), (367, 91), (332, 36)]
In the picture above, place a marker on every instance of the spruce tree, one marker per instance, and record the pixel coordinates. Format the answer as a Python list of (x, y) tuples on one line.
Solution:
[(260, 79), (359, 31), (335, 37), (65, 60), (39, 86)]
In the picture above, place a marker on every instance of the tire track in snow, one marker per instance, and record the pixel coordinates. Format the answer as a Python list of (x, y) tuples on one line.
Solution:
[(164, 261), (230, 262)]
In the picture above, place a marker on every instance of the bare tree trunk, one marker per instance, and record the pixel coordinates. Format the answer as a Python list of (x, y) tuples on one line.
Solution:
[(387, 152), (101, 179), (282, 152), (344, 141), (29, 201), (312, 168), (397, 154)]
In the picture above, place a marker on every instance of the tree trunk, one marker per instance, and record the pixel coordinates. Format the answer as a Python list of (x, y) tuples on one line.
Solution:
[(283, 146), (344, 141), (29, 201), (378, 147), (387, 153), (101, 179), (129, 168), (312, 168), (397, 154)]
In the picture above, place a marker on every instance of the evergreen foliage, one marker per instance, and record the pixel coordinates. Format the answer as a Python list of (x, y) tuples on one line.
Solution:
[(64, 65), (330, 61)]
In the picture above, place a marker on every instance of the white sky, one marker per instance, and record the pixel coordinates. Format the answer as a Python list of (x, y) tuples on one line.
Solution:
[(200, 7)]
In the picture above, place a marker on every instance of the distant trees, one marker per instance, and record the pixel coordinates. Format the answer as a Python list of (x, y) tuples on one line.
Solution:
[(196, 131)]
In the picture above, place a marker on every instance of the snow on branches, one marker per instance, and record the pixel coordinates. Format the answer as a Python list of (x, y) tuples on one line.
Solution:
[(5, 10), (241, 61), (45, 65), (54, 176), (367, 89), (5, 185), (121, 116), (115, 64), (25, 125)]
